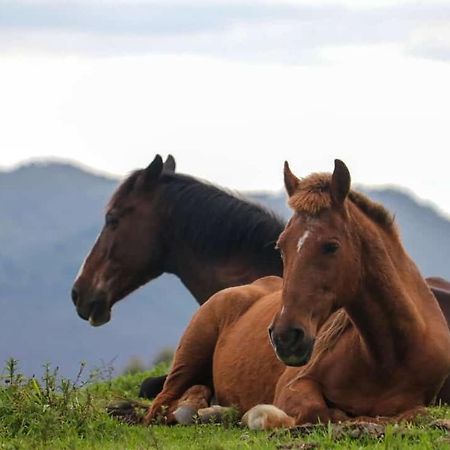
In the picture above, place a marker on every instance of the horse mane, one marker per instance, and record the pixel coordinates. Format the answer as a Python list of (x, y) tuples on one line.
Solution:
[(330, 333), (124, 188), (211, 220), (313, 196), (216, 222), (335, 326)]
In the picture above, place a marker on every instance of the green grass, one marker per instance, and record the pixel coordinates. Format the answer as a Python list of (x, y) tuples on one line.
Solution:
[(55, 413)]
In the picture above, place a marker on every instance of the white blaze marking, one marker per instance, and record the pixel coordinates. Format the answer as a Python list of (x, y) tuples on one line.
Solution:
[(302, 240), (80, 270)]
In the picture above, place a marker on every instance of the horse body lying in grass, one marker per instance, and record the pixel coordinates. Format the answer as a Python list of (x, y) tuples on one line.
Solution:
[(352, 307), (159, 221)]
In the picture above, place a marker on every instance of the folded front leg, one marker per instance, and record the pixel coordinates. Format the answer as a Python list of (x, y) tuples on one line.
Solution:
[(267, 417), (296, 403), (192, 364), (303, 399), (195, 398)]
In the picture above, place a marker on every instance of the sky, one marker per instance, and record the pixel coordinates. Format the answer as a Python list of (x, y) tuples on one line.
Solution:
[(232, 89)]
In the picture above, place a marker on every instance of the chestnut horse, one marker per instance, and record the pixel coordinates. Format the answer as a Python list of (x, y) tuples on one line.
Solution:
[(352, 306), (153, 224)]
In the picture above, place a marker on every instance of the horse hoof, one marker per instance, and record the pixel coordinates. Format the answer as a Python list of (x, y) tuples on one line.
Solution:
[(185, 415), (266, 417)]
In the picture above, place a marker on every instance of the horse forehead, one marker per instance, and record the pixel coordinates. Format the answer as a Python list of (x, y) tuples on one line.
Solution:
[(123, 205), (310, 227), (302, 239), (312, 230), (319, 222)]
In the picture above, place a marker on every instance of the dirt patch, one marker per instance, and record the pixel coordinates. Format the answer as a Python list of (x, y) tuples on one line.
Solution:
[(298, 431), (441, 424), (298, 446), (353, 430), (127, 411), (357, 430)]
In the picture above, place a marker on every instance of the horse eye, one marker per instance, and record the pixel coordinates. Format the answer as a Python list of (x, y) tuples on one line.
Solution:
[(111, 221), (330, 247)]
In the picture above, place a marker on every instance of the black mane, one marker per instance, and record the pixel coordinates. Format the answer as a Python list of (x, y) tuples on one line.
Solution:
[(217, 223)]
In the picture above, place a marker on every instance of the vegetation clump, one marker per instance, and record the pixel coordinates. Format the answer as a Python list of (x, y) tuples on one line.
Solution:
[(52, 412), (48, 408)]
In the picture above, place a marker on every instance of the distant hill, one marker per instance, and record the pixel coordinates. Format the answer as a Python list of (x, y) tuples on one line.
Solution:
[(50, 215)]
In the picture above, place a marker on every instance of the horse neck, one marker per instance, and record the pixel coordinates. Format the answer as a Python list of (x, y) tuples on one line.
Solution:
[(204, 276), (388, 310), (214, 240)]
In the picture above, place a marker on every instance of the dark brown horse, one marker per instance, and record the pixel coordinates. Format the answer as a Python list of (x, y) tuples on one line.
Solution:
[(160, 221), (352, 306)]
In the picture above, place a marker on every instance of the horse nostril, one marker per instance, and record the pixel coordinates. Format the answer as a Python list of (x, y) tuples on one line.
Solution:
[(74, 295), (291, 336), (270, 332)]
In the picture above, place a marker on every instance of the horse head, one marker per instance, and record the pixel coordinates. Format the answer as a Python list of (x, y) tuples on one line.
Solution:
[(321, 260), (129, 250)]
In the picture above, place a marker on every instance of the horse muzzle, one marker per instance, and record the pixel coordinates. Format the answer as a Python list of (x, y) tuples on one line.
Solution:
[(292, 346), (95, 307)]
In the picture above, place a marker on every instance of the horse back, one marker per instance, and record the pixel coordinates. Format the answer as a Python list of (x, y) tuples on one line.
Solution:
[(229, 305)]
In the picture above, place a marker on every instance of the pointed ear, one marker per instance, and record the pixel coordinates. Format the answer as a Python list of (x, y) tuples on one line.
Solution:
[(340, 183), (169, 164), (153, 171), (290, 180)]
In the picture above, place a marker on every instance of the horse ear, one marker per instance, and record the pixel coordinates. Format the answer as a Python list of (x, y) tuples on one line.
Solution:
[(340, 182), (290, 180), (169, 164), (153, 171)]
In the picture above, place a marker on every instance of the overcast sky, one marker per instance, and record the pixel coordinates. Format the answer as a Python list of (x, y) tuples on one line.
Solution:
[(232, 89)]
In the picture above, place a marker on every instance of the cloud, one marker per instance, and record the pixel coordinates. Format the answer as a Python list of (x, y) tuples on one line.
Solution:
[(138, 18), (269, 31), (432, 40)]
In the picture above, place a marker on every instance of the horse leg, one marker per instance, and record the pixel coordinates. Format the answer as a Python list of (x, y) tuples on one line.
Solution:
[(194, 399), (267, 417), (303, 399), (192, 362), (295, 403)]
